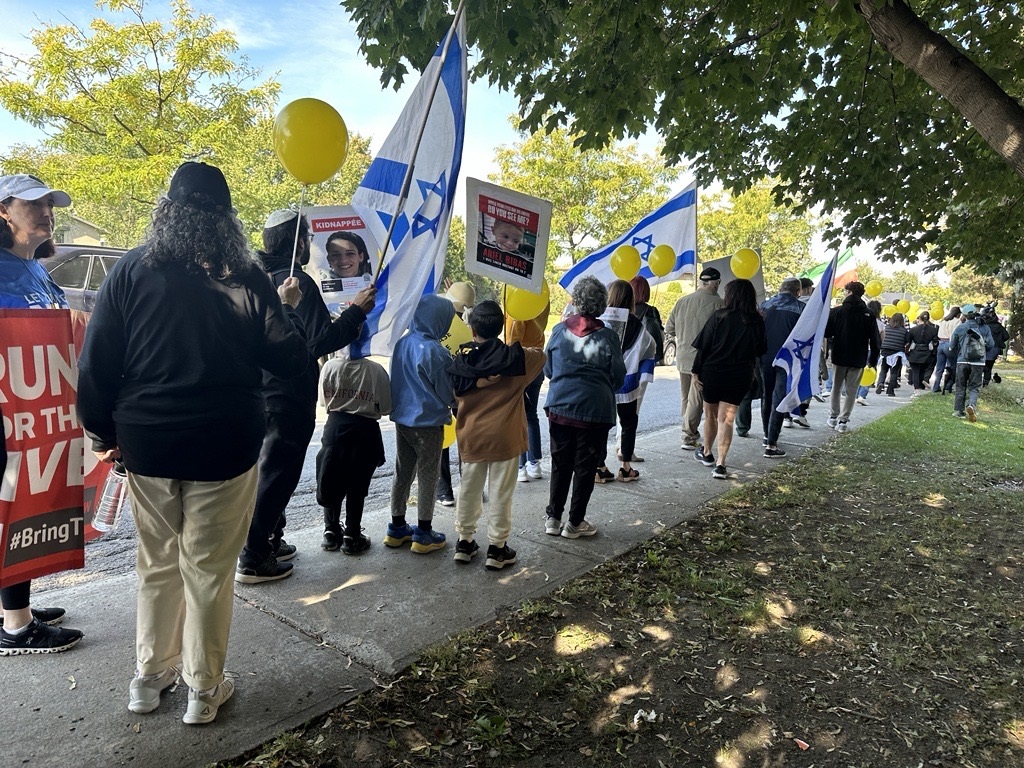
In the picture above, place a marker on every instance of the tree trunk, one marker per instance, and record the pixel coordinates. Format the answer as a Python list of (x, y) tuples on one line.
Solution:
[(997, 117)]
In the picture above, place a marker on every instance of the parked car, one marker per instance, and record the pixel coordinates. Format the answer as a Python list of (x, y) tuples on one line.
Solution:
[(80, 270), (670, 351)]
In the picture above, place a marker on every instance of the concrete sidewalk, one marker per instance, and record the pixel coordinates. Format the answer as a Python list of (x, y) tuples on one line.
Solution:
[(307, 644)]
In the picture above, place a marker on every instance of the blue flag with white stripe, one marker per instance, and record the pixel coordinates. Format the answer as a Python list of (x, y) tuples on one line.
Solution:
[(414, 259), (800, 354), (673, 224)]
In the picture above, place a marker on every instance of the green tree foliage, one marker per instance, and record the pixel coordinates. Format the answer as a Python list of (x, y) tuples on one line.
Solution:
[(123, 104), (904, 125), (596, 194), (781, 234)]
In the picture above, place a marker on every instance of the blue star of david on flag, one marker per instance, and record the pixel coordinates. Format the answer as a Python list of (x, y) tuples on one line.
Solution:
[(645, 245), (434, 197)]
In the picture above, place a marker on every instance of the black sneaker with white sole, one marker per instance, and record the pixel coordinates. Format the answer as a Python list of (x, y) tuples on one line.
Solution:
[(499, 557), (48, 616), (269, 570), (465, 551), (707, 459), (720, 472), (38, 638), (284, 551)]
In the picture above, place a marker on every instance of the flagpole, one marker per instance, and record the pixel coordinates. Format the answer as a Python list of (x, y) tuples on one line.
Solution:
[(407, 182)]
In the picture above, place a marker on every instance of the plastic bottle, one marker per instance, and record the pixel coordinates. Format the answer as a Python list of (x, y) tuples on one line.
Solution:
[(115, 494)]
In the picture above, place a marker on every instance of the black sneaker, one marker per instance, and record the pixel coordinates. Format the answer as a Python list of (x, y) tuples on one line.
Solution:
[(774, 453), (355, 545), (720, 472), (38, 638), (332, 541), (269, 570), (707, 459), (48, 616), (499, 558), (446, 499), (603, 475), (284, 551), (465, 551)]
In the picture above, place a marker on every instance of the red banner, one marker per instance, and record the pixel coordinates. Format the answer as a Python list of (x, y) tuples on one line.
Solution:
[(42, 494)]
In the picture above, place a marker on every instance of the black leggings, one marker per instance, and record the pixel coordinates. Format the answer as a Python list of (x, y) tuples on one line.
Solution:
[(628, 420), (16, 596)]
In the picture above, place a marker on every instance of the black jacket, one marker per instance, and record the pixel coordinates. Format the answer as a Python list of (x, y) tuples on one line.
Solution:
[(854, 334), (323, 335)]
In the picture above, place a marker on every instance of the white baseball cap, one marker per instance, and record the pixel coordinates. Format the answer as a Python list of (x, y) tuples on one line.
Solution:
[(24, 186)]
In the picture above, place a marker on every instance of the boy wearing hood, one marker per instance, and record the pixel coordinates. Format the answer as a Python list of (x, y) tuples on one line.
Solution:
[(422, 399), (489, 379)]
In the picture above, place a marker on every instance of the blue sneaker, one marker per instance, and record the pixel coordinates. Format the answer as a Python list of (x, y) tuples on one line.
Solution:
[(397, 535), (426, 541)]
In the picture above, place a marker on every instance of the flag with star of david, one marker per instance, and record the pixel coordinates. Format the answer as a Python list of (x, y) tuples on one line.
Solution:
[(673, 224), (800, 354), (414, 259)]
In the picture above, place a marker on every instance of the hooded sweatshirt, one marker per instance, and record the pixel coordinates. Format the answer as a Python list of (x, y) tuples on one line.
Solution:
[(421, 389), (585, 368)]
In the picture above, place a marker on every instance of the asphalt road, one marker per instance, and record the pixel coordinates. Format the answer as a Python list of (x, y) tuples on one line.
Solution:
[(114, 553)]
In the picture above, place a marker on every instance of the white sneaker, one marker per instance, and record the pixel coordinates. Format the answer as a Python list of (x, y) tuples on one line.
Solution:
[(144, 690), (203, 705), (861, 401), (570, 531), (787, 422), (688, 445), (552, 526), (801, 421), (523, 477), (533, 470), (832, 421), (842, 426)]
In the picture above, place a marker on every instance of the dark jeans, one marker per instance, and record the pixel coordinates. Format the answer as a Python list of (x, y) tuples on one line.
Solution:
[(531, 401), (940, 365), (628, 420), (444, 475), (892, 373), (774, 390), (918, 374), (280, 466), (968, 385), (576, 453)]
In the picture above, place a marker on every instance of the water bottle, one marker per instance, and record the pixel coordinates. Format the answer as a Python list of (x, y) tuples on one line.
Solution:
[(115, 494)]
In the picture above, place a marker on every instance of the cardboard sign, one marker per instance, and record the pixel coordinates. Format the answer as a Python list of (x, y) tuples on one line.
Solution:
[(42, 504)]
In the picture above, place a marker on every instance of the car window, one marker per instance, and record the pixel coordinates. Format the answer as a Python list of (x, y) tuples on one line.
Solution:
[(72, 273), (98, 273)]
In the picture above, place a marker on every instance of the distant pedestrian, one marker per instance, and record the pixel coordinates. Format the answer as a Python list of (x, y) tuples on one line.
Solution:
[(924, 340), (853, 334), (892, 354), (968, 346), (945, 366), (781, 313)]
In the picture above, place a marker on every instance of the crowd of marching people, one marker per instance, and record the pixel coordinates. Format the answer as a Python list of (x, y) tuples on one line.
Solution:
[(211, 410)]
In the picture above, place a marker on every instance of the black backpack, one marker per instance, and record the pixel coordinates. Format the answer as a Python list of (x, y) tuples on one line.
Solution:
[(974, 347)]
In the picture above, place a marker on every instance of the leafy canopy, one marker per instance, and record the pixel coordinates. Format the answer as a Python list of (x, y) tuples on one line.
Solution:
[(802, 91)]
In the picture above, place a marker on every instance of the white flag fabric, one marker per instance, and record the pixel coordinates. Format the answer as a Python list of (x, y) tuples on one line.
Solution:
[(673, 224), (800, 354), (415, 257)]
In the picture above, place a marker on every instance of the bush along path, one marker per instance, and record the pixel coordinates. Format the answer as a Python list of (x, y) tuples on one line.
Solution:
[(860, 606)]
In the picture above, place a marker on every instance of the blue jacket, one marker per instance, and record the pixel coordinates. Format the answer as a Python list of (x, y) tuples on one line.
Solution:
[(421, 388), (958, 349), (780, 315), (585, 367)]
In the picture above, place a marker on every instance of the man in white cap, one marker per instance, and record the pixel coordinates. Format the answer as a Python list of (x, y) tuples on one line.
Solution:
[(685, 322), (291, 403)]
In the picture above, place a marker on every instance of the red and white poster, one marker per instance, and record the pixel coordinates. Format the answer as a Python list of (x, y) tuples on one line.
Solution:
[(42, 491), (343, 253), (506, 234)]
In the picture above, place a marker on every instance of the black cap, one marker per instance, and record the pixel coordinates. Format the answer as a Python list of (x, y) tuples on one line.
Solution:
[(710, 274), (201, 186)]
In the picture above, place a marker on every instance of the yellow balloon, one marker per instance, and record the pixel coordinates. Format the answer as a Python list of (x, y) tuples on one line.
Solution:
[(868, 377), (625, 262), (449, 434), (521, 304), (661, 260), (889, 310), (745, 263), (903, 306), (938, 310), (913, 310), (311, 140), (873, 289), (458, 334)]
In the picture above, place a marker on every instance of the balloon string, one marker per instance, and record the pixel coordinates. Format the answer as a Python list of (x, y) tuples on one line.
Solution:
[(298, 228)]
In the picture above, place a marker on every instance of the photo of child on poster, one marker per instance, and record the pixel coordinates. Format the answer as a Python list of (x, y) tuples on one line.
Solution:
[(506, 234), (340, 254)]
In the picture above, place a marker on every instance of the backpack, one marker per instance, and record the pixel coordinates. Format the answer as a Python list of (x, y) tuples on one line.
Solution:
[(974, 347)]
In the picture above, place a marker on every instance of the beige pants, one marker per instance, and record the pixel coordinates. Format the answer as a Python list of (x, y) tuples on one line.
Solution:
[(190, 534), (845, 382), (692, 407), (502, 476)]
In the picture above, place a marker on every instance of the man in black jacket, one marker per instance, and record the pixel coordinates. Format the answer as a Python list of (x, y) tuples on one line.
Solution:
[(855, 341), (291, 403)]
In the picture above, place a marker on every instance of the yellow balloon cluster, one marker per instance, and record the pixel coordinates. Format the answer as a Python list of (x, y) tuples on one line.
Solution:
[(745, 263), (522, 305), (310, 140), (625, 262), (938, 310), (903, 306)]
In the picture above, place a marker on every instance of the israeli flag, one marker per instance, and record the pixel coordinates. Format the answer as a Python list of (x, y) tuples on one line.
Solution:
[(414, 259), (673, 224), (800, 354)]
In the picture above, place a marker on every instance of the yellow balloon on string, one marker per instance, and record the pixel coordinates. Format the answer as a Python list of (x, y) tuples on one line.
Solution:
[(625, 262), (310, 140), (745, 263), (522, 305)]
